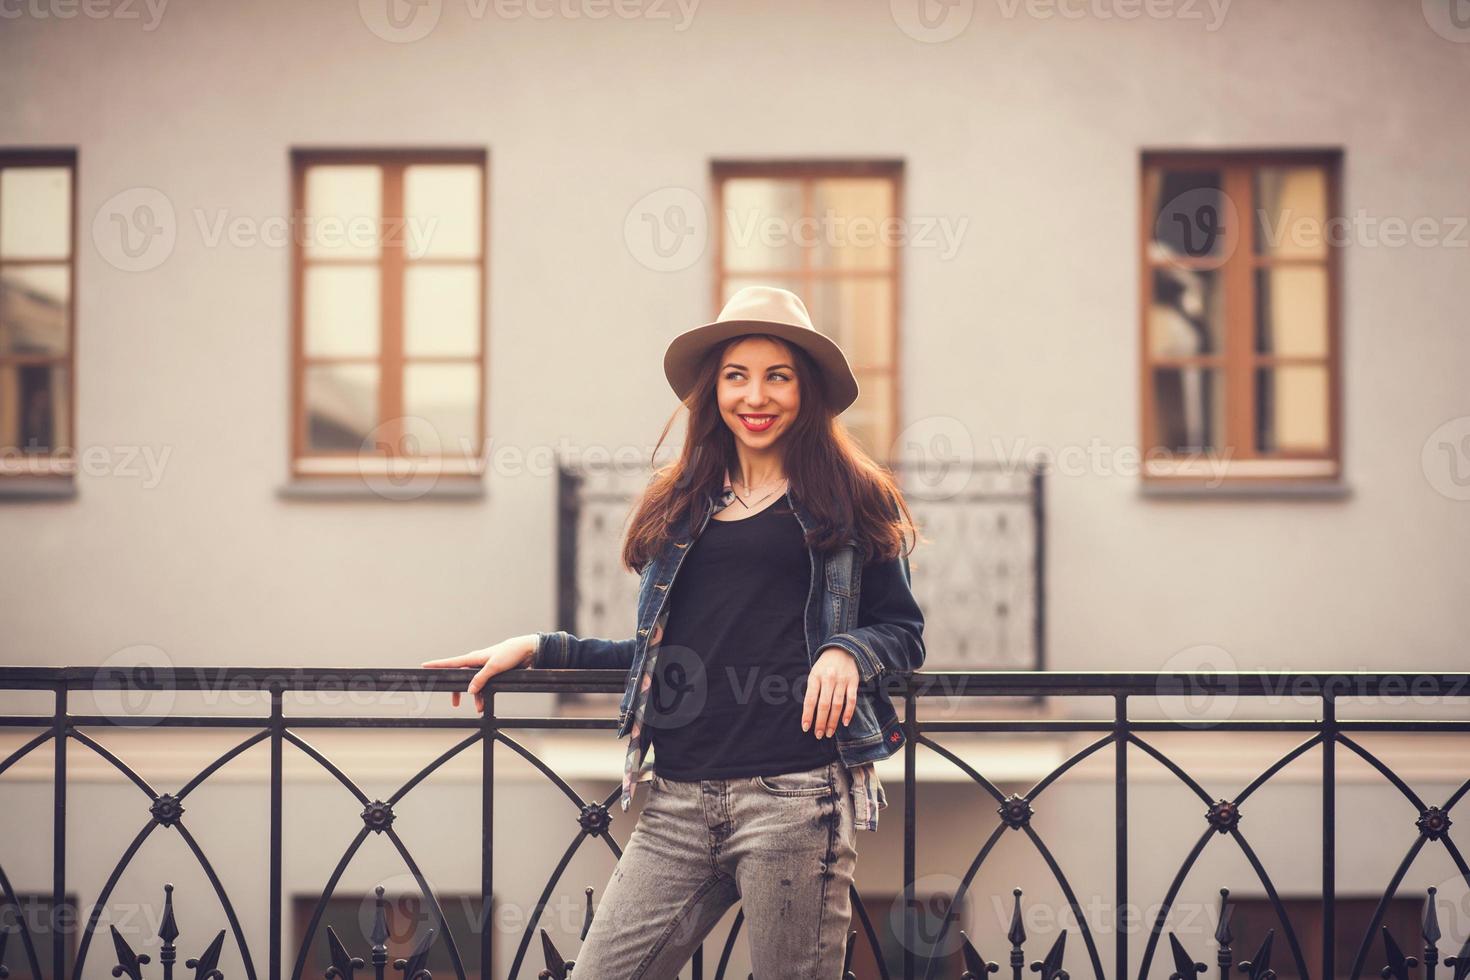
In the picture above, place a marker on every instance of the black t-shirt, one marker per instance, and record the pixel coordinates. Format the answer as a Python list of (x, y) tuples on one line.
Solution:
[(732, 669)]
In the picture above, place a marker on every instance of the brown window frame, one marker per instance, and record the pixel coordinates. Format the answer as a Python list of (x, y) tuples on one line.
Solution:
[(1238, 361), (400, 941), (807, 171), (60, 470), (390, 358), (1252, 915)]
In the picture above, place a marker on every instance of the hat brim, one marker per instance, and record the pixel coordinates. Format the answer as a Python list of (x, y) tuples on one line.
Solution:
[(681, 359)]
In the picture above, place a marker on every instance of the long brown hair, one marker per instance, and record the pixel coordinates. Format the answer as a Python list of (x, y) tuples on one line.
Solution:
[(844, 490)]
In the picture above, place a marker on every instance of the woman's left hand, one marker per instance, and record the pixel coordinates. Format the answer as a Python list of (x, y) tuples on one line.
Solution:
[(831, 692)]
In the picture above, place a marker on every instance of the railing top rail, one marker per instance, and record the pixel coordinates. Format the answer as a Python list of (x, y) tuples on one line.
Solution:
[(923, 683)]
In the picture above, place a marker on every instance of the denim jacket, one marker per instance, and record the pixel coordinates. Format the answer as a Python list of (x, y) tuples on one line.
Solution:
[(868, 610)]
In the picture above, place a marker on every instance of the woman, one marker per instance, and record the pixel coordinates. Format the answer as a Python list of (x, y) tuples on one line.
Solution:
[(755, 673)]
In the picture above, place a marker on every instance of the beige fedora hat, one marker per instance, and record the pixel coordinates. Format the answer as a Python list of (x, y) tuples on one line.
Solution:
[(762, 309)]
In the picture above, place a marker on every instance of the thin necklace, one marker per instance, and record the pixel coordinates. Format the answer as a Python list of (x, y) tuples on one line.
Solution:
[(749, 505)]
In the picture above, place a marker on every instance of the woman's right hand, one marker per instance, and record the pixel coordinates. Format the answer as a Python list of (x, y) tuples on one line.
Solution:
[(505, 655)]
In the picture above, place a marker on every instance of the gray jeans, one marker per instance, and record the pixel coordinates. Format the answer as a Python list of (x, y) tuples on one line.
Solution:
[(783, 846)]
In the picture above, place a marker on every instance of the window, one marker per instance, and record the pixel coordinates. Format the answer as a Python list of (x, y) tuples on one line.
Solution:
[(1239, 270), (409, 920), (389, 311), (1252, 917), (933, 913), (37, 312), (35, 917), (827, 232)]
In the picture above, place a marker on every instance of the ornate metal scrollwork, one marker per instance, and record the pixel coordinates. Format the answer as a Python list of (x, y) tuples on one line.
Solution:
[(378, 816), (1015, 811), (594, 818), (1223, 816), (167, 809), (1048, 968), (205, 966), (1258, 967), (1433, 822), (344, 964)]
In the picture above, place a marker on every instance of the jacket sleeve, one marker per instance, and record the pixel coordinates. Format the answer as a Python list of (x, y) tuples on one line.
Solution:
[(890, 631), (559, 649)]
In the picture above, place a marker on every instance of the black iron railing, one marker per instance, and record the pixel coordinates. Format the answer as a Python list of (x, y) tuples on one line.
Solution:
[(1324, 736)]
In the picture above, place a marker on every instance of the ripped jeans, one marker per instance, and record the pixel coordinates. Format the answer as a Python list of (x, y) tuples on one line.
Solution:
[(783, 846)]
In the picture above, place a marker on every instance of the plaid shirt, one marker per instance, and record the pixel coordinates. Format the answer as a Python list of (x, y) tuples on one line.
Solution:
[(867, 789)]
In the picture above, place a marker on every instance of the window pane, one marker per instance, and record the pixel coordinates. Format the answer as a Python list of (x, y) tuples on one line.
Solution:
[(441, 310), (858, 314), (344, 210), (441, 402), (33, 309), (1291, 311), (341, 310), (1291, 408), (733, 285), (1191, 214), (1291, 211), (409, 919), (341, 405), (34, 407), (1189, 409), (868, 418), (35, 212), (760, 224), (850, 230), (442, 203), (42, 919), (1187, 313)]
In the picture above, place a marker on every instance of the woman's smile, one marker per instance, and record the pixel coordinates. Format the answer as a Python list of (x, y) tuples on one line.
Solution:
[(758, 423)]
